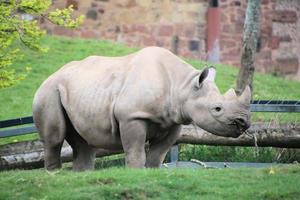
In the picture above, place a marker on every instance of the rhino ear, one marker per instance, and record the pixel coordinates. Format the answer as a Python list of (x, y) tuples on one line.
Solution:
[(207, 74), (203, 76)]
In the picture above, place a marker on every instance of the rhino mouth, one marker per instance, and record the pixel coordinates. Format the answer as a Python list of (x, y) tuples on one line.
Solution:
[(240, 125)]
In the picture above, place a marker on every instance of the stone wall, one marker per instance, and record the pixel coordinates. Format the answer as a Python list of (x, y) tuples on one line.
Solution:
[(143, 23), (161, 22)]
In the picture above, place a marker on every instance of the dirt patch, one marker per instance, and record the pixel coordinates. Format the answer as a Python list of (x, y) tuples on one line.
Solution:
[(105, 181), (130, 194), (126, 195)]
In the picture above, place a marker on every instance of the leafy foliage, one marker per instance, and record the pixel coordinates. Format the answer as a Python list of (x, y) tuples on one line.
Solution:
[(19, 26)]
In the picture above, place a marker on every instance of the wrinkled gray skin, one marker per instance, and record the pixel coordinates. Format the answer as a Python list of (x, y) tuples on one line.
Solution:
[(122, 103)]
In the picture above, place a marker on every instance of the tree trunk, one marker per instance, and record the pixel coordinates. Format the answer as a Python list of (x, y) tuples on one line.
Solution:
[(249, 46)]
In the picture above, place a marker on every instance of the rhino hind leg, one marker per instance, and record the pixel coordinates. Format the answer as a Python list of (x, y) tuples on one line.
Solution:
[(157, 152), (50, 123), (83, 154), (52, 156)]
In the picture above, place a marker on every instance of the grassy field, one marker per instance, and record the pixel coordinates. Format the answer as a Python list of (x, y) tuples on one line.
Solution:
[(126, 184)]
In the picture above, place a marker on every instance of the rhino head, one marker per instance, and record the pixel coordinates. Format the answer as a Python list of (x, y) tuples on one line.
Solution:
[(225, 115)]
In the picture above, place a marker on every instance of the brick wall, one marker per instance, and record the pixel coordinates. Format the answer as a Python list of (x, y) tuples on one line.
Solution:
[(159, 22)]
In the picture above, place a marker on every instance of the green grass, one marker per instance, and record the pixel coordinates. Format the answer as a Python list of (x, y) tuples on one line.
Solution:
[(14, 139), (121, 183), (231, 154)]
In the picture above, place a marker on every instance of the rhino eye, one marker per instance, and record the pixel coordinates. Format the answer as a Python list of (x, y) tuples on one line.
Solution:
[(218, 109)]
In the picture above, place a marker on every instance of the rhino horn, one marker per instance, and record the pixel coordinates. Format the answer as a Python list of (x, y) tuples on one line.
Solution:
[(246, 95), (230, 94)]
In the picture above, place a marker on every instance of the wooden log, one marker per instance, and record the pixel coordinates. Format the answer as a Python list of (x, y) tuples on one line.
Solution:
[(30, 154), (267, 135)]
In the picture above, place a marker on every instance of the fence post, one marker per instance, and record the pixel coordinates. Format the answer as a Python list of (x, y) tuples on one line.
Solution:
[(174, 153)]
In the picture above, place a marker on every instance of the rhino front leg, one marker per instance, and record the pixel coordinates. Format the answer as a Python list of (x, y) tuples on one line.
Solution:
[(133, 136), (157, 152)]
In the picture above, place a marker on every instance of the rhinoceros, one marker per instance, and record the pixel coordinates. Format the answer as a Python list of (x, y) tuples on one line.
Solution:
[(122, 103)]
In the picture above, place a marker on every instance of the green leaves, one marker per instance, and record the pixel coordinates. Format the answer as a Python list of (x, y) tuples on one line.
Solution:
[(34, 6), (62, 17), (19, 28)]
